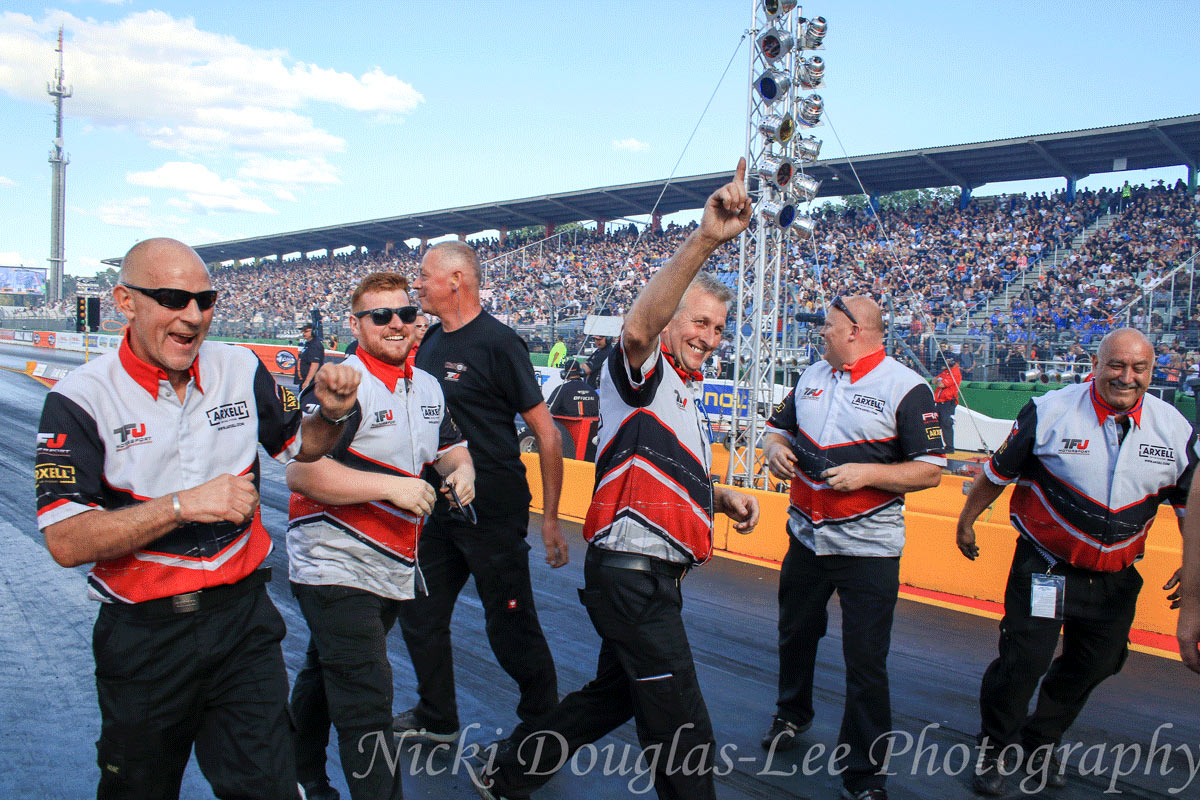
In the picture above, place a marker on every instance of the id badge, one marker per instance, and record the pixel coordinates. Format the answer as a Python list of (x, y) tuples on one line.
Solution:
[(1046, 596)]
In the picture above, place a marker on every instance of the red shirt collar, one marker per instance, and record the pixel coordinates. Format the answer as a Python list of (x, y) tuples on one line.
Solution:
[(684, 375), (386, 373), (864, 364), (147, 375), (1104, 410)]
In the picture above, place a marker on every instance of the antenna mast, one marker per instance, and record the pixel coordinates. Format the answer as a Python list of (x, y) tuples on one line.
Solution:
[(58, 182)]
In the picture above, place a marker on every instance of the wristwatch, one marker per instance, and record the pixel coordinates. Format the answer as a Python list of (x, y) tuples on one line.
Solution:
[(339, 420)]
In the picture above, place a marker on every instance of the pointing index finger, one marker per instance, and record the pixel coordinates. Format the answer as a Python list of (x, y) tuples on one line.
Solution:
[(739, 175)]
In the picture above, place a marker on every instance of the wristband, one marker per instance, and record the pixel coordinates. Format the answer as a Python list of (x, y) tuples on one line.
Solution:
[(175, 504), (339, 420)]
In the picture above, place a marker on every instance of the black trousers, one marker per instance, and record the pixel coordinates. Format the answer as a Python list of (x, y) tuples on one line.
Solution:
[(945, 412), (214, 678), (867, 588), (347, 680), (496, 554), (645, 671), (1098, 612)]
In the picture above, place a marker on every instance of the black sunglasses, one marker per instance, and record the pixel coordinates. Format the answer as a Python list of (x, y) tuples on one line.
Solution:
[(177, 299), (840, 305), (382, 316)]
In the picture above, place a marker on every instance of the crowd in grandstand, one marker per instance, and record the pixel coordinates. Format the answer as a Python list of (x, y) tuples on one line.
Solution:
[(945, 269)]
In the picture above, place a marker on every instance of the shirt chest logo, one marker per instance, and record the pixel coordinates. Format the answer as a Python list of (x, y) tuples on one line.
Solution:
[(130, 435), (384, 418), (431, 413), (680, 401), (1074, 447), (1156, 453), (454, 370), (811, 394), (868, 403), (228, 415)]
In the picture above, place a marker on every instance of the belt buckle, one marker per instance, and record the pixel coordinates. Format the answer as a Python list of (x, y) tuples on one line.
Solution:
[(185, 603)]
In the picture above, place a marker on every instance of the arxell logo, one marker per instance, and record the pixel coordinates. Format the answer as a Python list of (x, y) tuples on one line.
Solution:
[(867, 403), (228, 412), (431, 413), (1157, 453)]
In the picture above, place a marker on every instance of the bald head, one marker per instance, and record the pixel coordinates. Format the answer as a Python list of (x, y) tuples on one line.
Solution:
[(867, 312), (1124, 339), (1124, 367), (152, 261)]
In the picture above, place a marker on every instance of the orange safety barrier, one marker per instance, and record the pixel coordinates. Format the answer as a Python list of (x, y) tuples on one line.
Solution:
[(931, 560)]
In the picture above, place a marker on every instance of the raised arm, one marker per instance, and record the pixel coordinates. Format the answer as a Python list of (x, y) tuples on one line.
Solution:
[(726, 214)]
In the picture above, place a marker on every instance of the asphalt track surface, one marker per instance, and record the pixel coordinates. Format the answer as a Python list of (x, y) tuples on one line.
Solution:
[(49, 720)]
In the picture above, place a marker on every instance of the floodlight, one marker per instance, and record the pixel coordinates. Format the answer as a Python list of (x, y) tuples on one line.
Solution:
[(775, 44), (812, 72), (778, 128), (1032, 375), (777, 171), (776, 7), (807, 149), (814, 33), (805, 188), (779, 214), (773, 85), (810, 109), (804, 227)]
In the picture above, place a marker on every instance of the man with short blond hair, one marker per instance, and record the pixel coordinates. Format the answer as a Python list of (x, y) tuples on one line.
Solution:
[(356, 518)]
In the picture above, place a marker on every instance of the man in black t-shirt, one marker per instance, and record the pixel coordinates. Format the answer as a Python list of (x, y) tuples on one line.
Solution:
[(592, 367), (312, 356), (487, 379)]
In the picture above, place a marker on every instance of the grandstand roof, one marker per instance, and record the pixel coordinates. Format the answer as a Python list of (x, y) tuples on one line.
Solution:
[(1141, 145)]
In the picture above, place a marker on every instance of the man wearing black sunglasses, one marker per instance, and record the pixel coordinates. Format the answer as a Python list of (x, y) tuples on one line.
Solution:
[(857, 433), (149, 467), (356, 518)]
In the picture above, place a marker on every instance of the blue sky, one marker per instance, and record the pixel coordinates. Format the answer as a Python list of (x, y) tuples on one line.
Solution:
[(217, 120)]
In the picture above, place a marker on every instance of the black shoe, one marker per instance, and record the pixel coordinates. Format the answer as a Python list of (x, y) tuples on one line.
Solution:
[(1045, 758), (987, 779), (318, 790), (782, 734), (865, 794), (422, 728), (484, 785)]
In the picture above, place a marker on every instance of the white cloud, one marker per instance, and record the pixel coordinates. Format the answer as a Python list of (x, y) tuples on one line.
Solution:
[(11, 258), (187, 89), (290, 172), (203, 189), (7, 181), (630, 145), (132, 213)]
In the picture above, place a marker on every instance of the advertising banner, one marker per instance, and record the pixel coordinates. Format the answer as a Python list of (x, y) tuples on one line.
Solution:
[(22, 280)]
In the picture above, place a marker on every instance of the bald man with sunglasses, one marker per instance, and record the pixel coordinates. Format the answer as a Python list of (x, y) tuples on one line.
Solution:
[(858, 432), (147, 466)]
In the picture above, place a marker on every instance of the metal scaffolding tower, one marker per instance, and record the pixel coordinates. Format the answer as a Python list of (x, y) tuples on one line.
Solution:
[(779, 104), (58, 182)]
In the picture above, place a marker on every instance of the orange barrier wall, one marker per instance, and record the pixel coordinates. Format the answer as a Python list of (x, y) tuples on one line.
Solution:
[(931, 560)]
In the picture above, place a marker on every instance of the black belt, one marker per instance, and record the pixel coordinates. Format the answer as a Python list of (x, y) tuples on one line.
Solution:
[(199, 600), (614, 558)]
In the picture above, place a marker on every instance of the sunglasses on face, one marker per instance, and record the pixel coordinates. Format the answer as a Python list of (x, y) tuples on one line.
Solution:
[(382, 316), (177, 299), (840, 305)]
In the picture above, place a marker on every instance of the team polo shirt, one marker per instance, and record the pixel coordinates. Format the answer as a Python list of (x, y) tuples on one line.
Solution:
[(114, 433), (653, 492), (1081, 496), (400, 427), (875, 411)]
